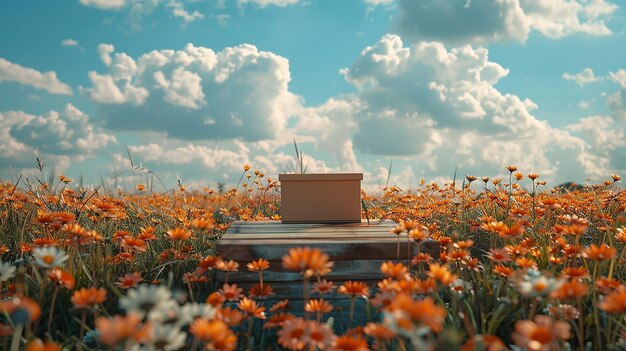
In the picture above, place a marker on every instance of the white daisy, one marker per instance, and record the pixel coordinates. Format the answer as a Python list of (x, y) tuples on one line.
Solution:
[(190, 311), (148, 300), (166, 337), (7, 271), (49, 257)]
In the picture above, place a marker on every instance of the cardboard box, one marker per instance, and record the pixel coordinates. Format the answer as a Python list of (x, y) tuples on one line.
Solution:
[(321, 198)]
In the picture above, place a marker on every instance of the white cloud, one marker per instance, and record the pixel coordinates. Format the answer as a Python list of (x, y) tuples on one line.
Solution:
[(60, 137), (105, 4), (69, 42), (264, 3), (138, 9), (10, 71), (379, 2), (605, 145), (619, 77), (586, 76), (583, 104), (179, 11), (439, 108), (196, 93), (559, 18), (617, 100), (484, 21)]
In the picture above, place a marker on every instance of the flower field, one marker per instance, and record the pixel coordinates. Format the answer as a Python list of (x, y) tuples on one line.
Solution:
[(523, 266)]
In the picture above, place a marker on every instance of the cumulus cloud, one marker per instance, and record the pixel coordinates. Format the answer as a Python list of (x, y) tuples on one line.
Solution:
[(69, 42), (379, 2), (104, 4), (58, 136), (501, 20), (617, 100), (605, 145), (179, 11), (264, 3), (13, 72), (196, 93), (138, 9), (619, 77), (439, 107), (586, 76)]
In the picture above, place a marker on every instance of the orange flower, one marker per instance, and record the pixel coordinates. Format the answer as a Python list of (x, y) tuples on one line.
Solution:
[(88, 297), (202, 223), (320, 335), (209, 262), (484, 342), (115, 330), (215, 333), (278, 320), (379, 331), (38, 345), (62, 278), (499, 255), (318, 306), (129, 280), (574, 229), (230, 316), (599, 253), (257, 292), (409, 314), (354, 288), (421, 258), (420, 233), (458, 255), (294, 334), (146, 234), (540, 334), (215, 299), (181, 234), (607, 285), (227, 266), (513, 231), (441, 274), (280, 305), (572, 289), (575, 272), (259, 265), (523, 262), (231, 292), (350, 343), (251, 308), (307, 261), (503, 270), (394, 270), (133, 244), (615, 302), (323, 287)]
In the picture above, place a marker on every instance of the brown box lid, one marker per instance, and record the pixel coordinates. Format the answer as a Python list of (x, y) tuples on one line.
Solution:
[(320, 176)]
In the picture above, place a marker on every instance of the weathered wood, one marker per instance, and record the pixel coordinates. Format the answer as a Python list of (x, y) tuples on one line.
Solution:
[(357, 250)]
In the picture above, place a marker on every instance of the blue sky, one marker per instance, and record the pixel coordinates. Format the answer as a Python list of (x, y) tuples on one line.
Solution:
[(202, 87)]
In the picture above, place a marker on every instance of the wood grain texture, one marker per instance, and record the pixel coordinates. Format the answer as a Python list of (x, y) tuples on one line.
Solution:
[(357, 250)]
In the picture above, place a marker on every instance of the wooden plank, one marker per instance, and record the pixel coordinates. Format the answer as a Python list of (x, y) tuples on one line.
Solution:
[(293, 290), (312, 236), (279, 224), (341, 271), (247, 250), (262, 230)]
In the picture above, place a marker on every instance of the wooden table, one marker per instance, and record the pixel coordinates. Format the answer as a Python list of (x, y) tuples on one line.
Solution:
[(357, 251)]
